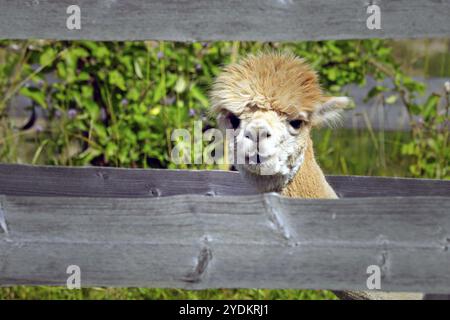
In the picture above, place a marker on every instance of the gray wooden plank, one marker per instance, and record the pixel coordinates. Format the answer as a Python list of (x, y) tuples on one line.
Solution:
[(114, 182), (363, 186), (437, 297), (259, 241), (263, 20)]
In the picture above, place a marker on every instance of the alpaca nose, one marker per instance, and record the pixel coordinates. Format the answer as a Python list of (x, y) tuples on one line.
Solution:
[(257, 133)]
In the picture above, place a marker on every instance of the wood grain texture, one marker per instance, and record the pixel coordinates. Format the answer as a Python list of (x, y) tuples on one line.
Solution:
[(259, 241), (139, 183), (262, 20)]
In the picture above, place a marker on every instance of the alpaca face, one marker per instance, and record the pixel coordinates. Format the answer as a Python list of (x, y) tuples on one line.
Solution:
[(267, 142), (271, 101)]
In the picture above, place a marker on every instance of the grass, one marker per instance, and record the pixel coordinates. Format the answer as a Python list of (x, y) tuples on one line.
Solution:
[(51, 293), (362, 152)]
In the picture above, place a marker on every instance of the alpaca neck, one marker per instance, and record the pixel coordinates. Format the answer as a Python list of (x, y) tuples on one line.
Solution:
[(309, 181)]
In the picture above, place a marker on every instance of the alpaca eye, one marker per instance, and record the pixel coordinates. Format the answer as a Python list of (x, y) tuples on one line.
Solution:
[(235, 121), (296, 124)]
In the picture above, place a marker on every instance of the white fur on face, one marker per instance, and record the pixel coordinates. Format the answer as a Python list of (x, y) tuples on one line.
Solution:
[(280, 148)]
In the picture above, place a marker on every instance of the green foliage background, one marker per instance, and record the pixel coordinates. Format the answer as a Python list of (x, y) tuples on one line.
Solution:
[(116, 104)]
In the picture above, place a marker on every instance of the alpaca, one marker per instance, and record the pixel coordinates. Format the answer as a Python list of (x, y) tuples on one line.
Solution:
[(273, 101)]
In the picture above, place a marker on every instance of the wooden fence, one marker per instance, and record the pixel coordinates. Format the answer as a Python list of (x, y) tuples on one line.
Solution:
[(207, 229), (262, 20)]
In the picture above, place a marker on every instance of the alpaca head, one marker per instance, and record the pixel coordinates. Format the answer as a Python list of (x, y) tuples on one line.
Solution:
[(272, 101)]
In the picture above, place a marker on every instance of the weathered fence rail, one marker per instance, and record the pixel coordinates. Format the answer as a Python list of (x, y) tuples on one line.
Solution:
[(53, 217), (26, 180), (263, 20)]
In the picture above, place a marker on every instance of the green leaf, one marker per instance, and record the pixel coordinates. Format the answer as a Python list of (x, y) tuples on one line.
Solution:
[(391, 99), (35, 94), (430, 107), (159, 92), (155, 110), (133, 94), (47, 57), (181, 85), (116, 78), (198, 95), (137, 69)]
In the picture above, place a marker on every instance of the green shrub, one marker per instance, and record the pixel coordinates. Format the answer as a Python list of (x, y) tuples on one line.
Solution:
[(116, 103)]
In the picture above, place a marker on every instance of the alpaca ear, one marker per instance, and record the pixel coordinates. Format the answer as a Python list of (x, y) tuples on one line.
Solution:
[(329, 112)]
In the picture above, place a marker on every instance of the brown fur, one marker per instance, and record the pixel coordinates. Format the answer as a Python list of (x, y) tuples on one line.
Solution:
[(309, 182), (271, 81)]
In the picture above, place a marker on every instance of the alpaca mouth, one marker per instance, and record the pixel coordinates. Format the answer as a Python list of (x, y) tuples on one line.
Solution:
[(261, 165), (256, 159)]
